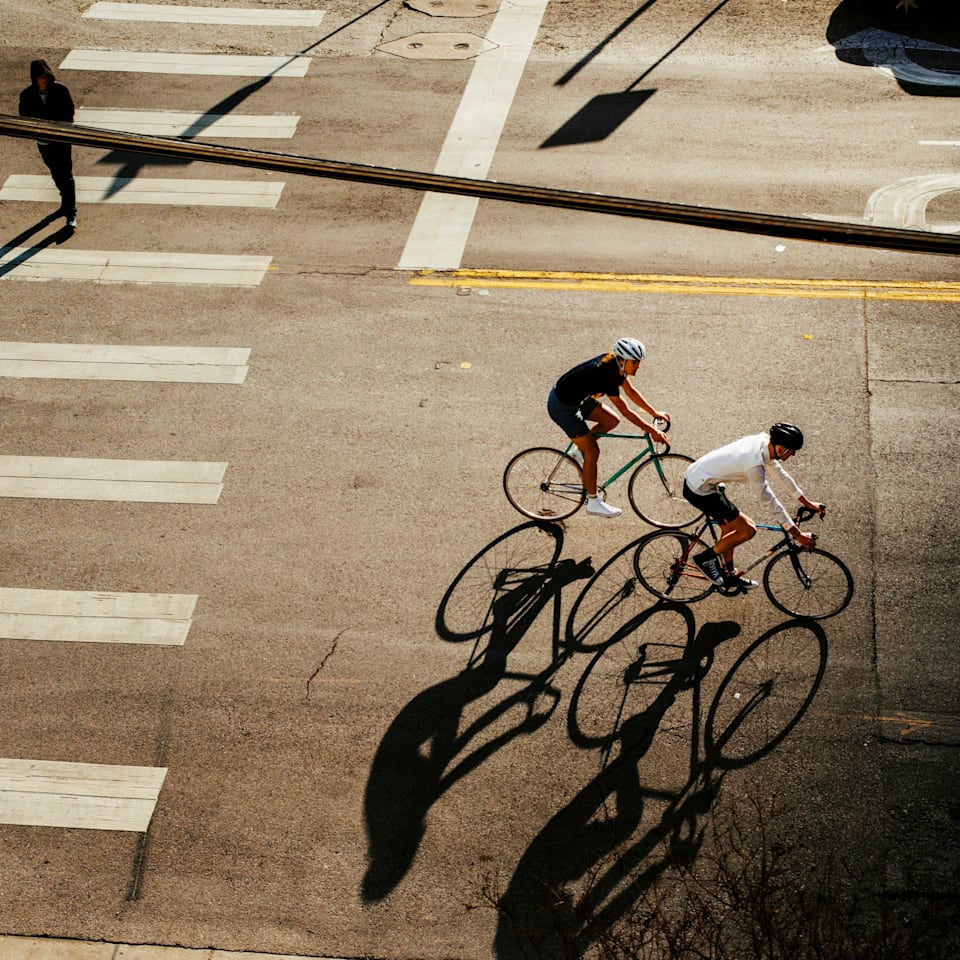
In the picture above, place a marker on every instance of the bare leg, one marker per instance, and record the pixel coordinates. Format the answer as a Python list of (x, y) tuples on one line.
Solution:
[(605, 420), (732, 535), (588, 446)]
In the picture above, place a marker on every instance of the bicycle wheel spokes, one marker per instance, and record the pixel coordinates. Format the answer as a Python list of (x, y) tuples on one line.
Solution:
[(544, 484), (766, 693), (663, 563), (628, 676), (819, 587), (467, 610), (656, 492), (608, 693), (611, 598)]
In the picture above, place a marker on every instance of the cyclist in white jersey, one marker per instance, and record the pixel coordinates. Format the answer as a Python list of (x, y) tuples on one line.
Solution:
[(744, 461)]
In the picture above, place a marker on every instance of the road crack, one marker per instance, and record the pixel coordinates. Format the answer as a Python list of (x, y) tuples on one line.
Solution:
[(323, 662)]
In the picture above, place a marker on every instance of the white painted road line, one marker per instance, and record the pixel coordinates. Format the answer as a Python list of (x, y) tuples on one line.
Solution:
[(207, 64), (139, 481), (443, 224), (91, 361), (152, 12), (174, 193), (86, 617), (177, 123), (115, 266), (93, 796)]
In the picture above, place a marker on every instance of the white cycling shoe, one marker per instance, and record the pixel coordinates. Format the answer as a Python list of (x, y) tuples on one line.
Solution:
[(597, 508)]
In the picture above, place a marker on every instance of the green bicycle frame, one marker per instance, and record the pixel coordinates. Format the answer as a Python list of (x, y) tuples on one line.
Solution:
[(648, 452)]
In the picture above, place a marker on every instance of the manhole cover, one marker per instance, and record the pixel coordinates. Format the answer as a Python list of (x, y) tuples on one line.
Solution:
[(455, 8), (438, 46)]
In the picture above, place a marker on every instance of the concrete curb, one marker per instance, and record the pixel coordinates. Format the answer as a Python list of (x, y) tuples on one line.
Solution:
[(48, 948)]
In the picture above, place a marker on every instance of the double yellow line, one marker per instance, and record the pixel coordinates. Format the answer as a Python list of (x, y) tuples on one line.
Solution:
[(935, 291)]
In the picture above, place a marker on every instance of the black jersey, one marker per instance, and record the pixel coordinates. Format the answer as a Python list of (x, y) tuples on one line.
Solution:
[(587, 379)]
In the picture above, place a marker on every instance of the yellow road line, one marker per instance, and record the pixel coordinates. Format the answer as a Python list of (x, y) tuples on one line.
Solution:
[(938, 291)]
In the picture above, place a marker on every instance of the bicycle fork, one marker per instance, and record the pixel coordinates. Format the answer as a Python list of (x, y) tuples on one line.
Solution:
[(798, 569)]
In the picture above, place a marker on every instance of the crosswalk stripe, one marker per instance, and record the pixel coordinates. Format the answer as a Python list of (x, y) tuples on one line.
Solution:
[(208, 64), (86, 617), (90, 361), (231, 16), (54, 793), (142, 481), (440, 231), (106, 266), (176, 193), (180, 123)]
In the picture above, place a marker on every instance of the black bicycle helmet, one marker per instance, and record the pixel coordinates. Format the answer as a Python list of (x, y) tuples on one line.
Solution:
[(786, 435)]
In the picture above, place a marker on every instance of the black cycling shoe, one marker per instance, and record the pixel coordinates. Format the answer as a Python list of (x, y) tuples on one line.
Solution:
[(710, 565)]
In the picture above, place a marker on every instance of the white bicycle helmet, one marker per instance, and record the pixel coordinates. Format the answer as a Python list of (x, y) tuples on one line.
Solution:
[(626, 348)]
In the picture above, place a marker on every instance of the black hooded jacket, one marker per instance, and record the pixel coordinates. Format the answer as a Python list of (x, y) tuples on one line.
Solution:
[(59, 105)]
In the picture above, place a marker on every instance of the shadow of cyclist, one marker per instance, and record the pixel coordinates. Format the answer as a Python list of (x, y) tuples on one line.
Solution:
[(538, 914), (428, 747), (589, 865), (523, 598), (501, 591)]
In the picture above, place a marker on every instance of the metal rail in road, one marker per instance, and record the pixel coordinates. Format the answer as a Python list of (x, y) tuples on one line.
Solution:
[(794, 228)]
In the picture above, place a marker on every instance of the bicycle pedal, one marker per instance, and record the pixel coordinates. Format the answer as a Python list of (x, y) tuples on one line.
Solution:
[(730, 590)]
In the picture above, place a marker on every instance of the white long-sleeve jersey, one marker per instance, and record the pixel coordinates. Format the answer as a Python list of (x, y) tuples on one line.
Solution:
[(743, 461)]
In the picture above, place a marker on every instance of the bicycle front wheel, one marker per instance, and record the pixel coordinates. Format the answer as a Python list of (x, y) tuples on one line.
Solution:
[(811, 584), (544, 484), (663, 563), (656, 492)]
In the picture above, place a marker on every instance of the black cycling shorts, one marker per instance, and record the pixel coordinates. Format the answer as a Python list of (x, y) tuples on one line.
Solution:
[(715, 505)]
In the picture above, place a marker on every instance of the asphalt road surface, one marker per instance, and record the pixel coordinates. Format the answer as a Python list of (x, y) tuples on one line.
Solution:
[(336, 770)]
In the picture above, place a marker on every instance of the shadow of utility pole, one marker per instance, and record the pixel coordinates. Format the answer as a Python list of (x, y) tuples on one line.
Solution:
[(599, 118), (605, 113)]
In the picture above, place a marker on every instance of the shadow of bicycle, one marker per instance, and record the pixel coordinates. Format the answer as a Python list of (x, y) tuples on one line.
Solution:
[(587, 868), (494, 602)]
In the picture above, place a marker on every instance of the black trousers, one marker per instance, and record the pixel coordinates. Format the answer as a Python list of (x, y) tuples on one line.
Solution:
[(59, 159)]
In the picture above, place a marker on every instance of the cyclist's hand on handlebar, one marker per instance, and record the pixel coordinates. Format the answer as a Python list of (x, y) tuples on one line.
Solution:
[(659, 436), (813, 508), (806, 540)]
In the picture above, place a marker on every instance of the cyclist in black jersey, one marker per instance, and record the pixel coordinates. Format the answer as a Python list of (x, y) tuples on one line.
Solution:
[(574, 400)]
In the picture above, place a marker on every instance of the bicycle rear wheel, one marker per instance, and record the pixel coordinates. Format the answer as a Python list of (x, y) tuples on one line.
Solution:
[(664, 565), (817, 587), (656, 492), (544, 484)]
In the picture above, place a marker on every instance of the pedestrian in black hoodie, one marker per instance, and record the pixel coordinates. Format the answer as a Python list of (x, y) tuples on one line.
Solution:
[(46, 99)]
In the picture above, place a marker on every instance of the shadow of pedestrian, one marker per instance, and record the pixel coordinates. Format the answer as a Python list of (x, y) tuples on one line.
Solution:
[(9, 260)]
